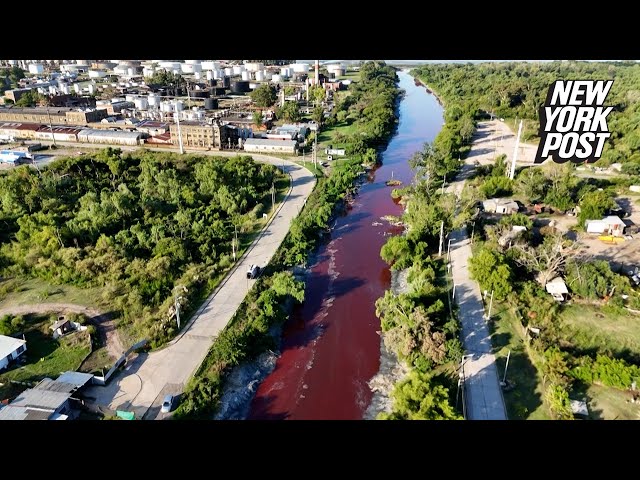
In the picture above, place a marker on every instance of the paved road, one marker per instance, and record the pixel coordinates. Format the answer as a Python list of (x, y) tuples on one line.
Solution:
[(148, 377), (483, 394)]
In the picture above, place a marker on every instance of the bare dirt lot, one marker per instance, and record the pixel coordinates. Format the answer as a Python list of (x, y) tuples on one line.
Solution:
[(493, 138)]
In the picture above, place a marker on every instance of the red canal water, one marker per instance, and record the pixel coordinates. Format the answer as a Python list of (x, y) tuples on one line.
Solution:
[(330, 347)]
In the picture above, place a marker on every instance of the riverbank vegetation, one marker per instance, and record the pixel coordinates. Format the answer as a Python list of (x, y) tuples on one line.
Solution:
[(420, 325), (517, 89), (252, 329), (137, 225)]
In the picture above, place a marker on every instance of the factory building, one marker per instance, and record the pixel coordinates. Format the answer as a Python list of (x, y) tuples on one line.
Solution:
[(19, 131), (117, 137), (64, 116), (60, 134), (264, 145), (202, 135)]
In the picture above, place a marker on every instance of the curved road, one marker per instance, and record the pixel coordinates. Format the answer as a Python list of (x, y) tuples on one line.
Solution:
[(148, 378)]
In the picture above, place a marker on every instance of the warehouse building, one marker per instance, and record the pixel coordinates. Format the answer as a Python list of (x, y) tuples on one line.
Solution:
[(58, 133), (265, 145), (58, 115), (19, 131), (114, 137), (202, 135)]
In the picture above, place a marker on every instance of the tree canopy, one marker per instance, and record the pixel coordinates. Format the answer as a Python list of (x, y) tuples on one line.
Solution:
[(264, 96)]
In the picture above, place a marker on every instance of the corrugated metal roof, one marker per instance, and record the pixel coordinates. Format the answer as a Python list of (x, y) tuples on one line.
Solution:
[(55, 386), (41, 399), (9, 345), (13, 413), (268, 141), (108, 133), (77, 379)]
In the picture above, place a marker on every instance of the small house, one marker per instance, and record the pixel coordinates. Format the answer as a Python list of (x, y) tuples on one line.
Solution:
[(61, 327), (500, 205), (10, 349), (611, 225), (557, 288)]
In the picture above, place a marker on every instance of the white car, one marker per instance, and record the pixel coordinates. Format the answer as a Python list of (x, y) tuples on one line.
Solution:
[(167, 403)]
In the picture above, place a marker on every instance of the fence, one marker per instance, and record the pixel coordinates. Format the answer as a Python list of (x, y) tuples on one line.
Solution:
[(103, 380)]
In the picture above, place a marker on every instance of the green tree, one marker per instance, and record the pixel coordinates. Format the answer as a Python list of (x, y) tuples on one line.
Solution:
[(594, 205), (290, 112), (317, 94), (257, 118), (467, 128), (492, 272), (29, 99), (264, 96), (318, 114), (558, 401), (419, 397)]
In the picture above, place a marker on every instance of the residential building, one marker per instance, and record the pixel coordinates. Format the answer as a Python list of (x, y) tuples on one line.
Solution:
[(10, 349), (500, 205), (611, 225), (266, 145)]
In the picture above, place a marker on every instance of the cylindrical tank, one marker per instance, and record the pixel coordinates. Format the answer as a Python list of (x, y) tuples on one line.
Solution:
[(169, 65), (210, 65), (179, 105), (246, 76), (209, 75), (260, 76), (141, 103), (217, 91), (240, 86), (228, 71), (192, 62), (226, 82), (253, 86), (218, 73), (131, 71), (254, 66), (210, 103), (130, 98), (154, 100), (166, 106), (91, 88), (197, 75), (237, 69), (276, 78), (300, 67)]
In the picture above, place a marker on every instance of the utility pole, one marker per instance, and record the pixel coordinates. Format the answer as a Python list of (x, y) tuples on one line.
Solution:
[(473, 230), (273, 197), (444, 181), (441, 238), (53, 137), (449, 251), (504, 379), (315, 149), (515, 152), (177, 115), (177, 305), (234, 241), (490, 306)]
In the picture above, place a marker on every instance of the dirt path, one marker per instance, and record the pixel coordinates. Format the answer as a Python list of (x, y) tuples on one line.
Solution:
[(106, 325)]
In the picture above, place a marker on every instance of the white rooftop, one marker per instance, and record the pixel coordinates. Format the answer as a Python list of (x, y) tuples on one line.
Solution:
[(556, 286), (9, 345), (269, 141)]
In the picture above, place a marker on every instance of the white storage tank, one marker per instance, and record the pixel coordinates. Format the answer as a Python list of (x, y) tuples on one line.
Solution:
[(191, 67), (141, 103), (237, 69), (209, 65), (91, 89), (218, 74), (267, 75), (197, 75), (253, 86), (166, 106), (130, 97), (285, 72), (228, 71), (276, 78), (254, 66), (192, 62), (300, 67), (36, 68), (170, 66), (148, 71), (179, 105), (97, 74), (260, 76), (154, 100), (246, 76), (131, 71), (209, 75)]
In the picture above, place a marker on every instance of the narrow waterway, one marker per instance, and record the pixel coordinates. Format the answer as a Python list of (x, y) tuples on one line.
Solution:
[(331, 345)]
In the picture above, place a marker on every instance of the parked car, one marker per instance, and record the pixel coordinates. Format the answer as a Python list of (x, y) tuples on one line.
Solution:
[(167, 404), (253, 272)]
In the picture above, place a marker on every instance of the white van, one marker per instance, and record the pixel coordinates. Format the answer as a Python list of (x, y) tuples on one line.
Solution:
[(253, 272)]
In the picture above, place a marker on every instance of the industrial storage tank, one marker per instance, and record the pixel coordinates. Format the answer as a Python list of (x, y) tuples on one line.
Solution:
[(300, 67), (240, 86), (254, 66), (131, 71), (276, 78), (192, 62), (253, 86), (246, 76), (267, 75), (191, 67), (154, 100), (285, 72), (209, 75), (238, 69), (166, 106), (210, 103), (141, 103), (179, 105), (210, 66), (228, 71), (226, 82), (260, 76), (218, 73), (130, 97)]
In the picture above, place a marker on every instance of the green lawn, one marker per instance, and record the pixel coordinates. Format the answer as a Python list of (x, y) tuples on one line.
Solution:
[(608, 403), (525, 400), (14, 292), (46, 356), (588, 327)]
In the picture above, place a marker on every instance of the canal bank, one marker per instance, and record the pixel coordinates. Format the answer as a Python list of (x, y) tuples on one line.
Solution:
[(331, 345)]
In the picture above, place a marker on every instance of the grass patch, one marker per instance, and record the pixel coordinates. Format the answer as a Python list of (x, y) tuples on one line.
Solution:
[(607, 403), (525, 401), (588, 328), (46, 356), (98, 360), (23, 291)]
